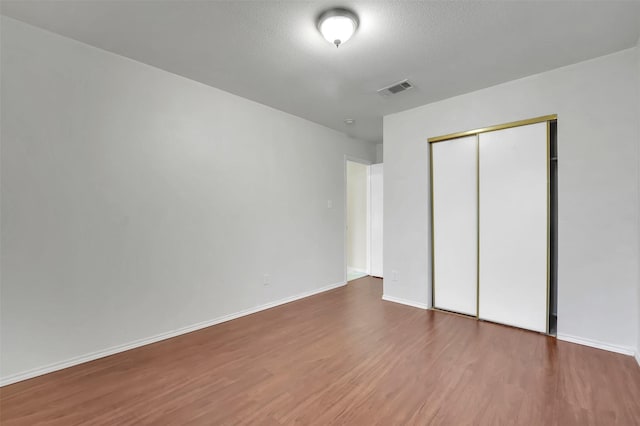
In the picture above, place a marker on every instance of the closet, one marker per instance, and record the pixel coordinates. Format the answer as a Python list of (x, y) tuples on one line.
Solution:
[(491, 214)]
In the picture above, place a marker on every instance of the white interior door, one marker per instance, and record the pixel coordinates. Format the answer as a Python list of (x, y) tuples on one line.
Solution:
[(513, 226), (455, 225), (375, 176)]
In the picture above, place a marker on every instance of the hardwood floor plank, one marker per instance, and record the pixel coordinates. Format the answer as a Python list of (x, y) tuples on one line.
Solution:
[(340, 357)]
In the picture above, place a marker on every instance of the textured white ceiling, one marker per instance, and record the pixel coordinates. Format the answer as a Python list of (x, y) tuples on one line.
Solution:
[(271, 52)]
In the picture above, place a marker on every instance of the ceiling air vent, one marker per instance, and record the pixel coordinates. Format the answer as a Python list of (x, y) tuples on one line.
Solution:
[(395, 88)]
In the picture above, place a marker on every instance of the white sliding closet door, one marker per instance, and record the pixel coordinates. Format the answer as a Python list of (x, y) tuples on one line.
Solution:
[(513, 226), (455, 216)]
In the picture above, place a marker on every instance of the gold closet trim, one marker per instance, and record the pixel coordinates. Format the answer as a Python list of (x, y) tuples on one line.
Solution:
[(493, 128)]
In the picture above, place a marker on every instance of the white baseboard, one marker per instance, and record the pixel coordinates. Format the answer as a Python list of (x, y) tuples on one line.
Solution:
[(638, 357), (404, 302), (596, 344), (14, 378)]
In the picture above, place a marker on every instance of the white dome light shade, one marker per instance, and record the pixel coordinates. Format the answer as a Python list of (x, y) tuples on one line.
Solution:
[(337, 25)]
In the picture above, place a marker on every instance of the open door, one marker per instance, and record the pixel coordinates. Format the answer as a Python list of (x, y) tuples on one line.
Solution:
[(375, 179)]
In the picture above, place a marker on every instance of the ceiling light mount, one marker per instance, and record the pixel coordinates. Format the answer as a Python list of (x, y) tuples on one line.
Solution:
[(337, 25)]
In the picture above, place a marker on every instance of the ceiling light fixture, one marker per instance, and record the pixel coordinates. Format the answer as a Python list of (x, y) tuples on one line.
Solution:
[(337, 25)]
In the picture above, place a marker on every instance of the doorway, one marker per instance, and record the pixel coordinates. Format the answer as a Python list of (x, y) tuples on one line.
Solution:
[(357, 223)]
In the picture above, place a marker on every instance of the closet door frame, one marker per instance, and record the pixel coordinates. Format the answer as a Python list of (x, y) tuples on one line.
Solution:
[(546, 118)]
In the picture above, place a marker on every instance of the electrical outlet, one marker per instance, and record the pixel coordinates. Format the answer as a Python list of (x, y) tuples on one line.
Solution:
[(266, 280), (394, 275), (329, 204)]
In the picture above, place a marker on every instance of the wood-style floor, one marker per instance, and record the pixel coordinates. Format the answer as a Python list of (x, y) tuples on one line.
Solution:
[(341, 357)]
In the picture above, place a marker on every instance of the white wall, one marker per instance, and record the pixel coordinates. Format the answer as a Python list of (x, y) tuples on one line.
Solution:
[(357, 218), (379, 153), (136, 202), (597, 107)]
